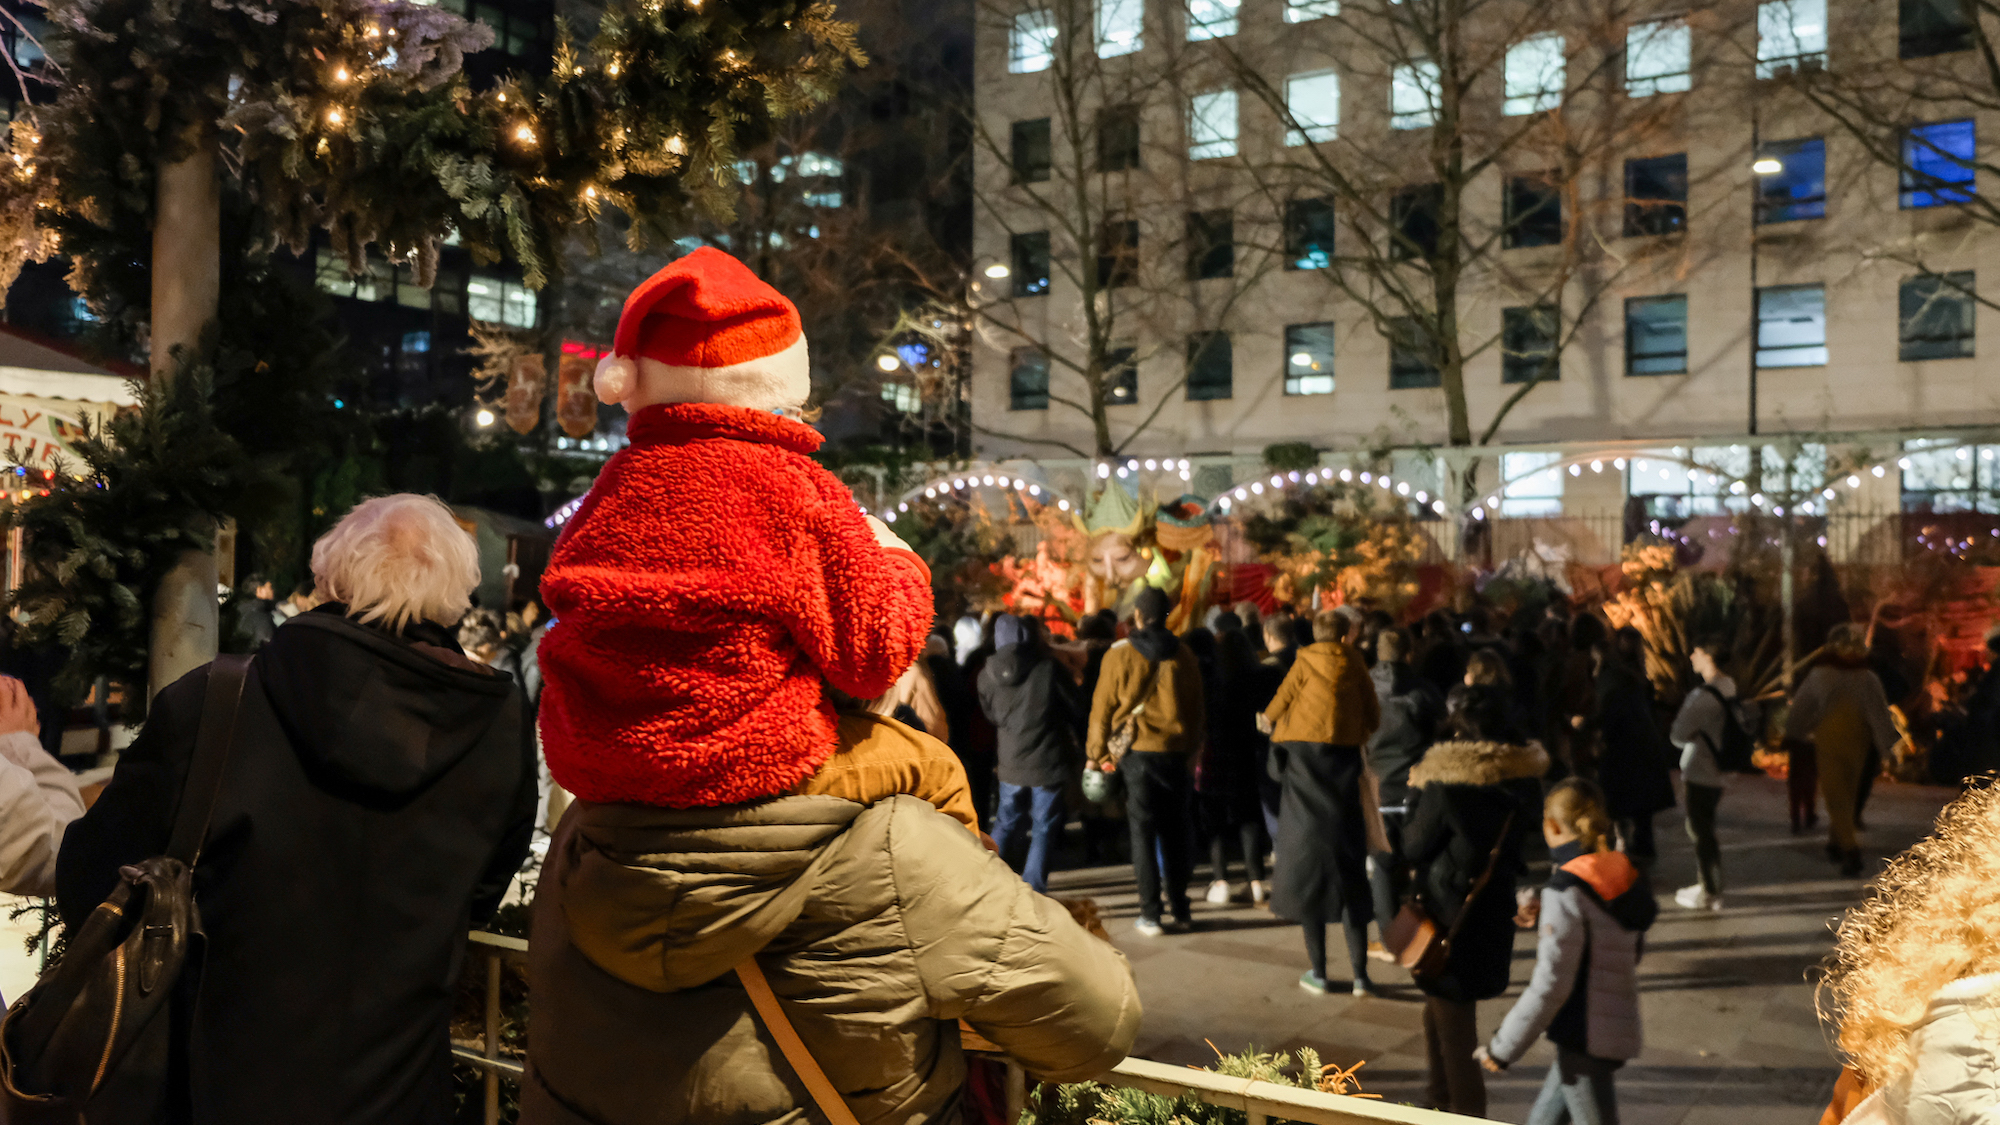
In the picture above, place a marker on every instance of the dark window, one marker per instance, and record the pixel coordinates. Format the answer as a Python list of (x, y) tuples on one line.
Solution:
[(1032, 152), (1413, 219), (1528, 345), (1210, 371), (1534, 213), (1656, 335), (1117, 253), (1117, 138), (1121, 377), (1028, 380), (1796, 188), (1936, 312), (1412, 356), (1308, 234), (1309, 359), (1656, 194), (1937, 163), (1030, 253), (1211, 244), (1932, 27)]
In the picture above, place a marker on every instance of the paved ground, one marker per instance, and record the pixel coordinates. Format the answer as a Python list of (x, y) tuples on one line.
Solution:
[(1731, 1033)]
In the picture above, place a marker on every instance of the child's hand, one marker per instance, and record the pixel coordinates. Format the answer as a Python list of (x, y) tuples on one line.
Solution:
[(885, 538)]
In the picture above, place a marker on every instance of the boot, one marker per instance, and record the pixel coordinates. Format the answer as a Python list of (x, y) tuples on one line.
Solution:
[(1850, 864)]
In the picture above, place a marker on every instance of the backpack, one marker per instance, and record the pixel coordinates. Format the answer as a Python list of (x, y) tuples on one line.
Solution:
[(1737, 749)]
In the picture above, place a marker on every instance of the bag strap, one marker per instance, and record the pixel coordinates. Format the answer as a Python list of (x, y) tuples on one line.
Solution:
[(1479, 884), (212, 740), (803, 1064), (1145, 691)]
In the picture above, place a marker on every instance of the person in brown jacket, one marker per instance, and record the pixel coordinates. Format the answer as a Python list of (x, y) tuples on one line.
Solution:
[(1152, 681), (1323, 714)]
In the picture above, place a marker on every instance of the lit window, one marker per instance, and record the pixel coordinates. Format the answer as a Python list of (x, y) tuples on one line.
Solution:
[(1797, 190), (1121, 27), (1670, 491), (1031, 46), (1791, 326), (1947, 477), (1530, 350), (1791, 35), (1121, 377), (1937, 316), (1531, 484), (1412, 355), (1212, 125), (1313, 100), (746, 172), (1210, 371), (1656, 335), (1308, 234), (825, 199), (902, 397), (1029, 256), (819, 164), (375, 282), (1937, 164), (1657, 58), (1309, 359), (1413, 95), (408, 293), (1028, 380), (1211, 19), (499, 301), (1932, 27), (1535, 75), (1303, 11)]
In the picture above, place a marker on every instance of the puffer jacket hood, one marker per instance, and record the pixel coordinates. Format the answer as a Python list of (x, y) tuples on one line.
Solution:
[(1616, 883), (369, 708), (1012, 663), (1478, 763), (1326, 697)]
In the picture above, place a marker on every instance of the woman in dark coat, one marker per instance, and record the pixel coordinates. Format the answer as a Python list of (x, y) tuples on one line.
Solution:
[(1632, 753), (1226, 775), (1469, 794), (378, 799)]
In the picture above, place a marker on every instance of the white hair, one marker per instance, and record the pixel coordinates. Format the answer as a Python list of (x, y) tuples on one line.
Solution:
[(398, 559)]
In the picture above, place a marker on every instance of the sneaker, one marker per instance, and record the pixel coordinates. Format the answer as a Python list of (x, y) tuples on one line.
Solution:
[(1149, 927), (1314, 983), (1697, 898), (1257, 895), (1850, 865), (1181, 923), (1379, 952), (1218, 892), (1366, 987)]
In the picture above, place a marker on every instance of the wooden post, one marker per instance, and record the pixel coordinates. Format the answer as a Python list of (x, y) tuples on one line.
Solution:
[(187, 283), (492, 1036)]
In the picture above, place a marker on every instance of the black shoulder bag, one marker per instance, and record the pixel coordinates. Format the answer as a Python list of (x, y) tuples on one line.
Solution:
[(91, 1038)]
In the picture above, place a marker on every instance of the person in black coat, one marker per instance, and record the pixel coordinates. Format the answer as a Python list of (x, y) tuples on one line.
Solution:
[(378, 800), (1226, 778), (1032, 702), (1633, 754), (1412, 713), (1475, 802)]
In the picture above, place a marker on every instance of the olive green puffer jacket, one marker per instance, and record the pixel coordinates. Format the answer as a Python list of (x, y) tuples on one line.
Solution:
[(879, 928)]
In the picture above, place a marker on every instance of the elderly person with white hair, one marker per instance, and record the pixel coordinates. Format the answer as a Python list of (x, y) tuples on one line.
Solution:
[(377, 801)]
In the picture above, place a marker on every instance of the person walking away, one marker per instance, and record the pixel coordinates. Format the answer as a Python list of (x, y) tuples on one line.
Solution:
[(1914, 983), (1323, 714), (1100, 818), (1412, 711), (1699, 729), (1485, 700), (377, 802), (1469, 795), (1227, 779), (1573, 698), (1633, 756), (978, 746), (1031, 701), (1841, 710), (1584, 993), (1150, 684)]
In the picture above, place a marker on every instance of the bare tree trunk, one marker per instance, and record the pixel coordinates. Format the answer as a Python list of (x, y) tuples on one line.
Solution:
[(187, 279)]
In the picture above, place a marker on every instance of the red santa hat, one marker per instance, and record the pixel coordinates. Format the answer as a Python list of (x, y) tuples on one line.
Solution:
[(706, 329)]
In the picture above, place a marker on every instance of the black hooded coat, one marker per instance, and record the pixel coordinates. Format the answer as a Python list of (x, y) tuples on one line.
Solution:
[(378, 799), (1033, 705)]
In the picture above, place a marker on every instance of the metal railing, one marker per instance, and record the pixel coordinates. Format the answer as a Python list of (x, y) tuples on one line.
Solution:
[(1261, 1102)]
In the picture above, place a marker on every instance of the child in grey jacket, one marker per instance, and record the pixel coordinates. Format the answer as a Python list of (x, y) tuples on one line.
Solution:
[(1585, 990)]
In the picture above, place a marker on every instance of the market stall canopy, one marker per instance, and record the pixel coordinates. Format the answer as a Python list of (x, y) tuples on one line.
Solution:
[(47, 392)]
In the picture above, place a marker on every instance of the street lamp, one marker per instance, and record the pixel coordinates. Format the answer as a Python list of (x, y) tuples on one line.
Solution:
[(998, 271), (1767, 166)]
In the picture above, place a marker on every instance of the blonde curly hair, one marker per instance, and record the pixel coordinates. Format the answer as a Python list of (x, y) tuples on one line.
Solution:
[(1932, 917)]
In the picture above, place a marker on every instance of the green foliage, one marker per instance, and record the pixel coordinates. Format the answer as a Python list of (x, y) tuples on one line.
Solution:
[(1291, 456), (1091, 1103)]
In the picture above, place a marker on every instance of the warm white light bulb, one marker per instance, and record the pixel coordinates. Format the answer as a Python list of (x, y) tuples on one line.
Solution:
[(886, 361)]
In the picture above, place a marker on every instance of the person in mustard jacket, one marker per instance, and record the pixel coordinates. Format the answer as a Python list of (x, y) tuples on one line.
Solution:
[(1323, 714)]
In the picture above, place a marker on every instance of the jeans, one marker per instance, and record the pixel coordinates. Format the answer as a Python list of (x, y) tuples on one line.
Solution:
[(1578, 1092), (1045, 803), (1451, 1034), (1701, 803), (1156, 808)]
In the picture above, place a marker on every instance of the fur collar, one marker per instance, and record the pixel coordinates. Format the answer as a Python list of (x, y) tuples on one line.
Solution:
[(1478, 763)]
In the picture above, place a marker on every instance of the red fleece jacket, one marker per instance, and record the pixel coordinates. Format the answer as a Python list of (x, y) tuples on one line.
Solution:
[(709, 581)]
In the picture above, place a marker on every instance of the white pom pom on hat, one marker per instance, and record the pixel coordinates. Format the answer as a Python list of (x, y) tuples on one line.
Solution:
[(706, 329)]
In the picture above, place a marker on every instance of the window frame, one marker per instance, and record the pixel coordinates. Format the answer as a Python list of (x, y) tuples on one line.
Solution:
[(1306, 11), (1298, 212), (1633, 358), (1017, 397), (1210, 257), (1318, 129), (1117, 256), (1122, 17), (1797, 208), (1789, 51), (1120, 124), (1121, 372), (1200, 346), (1407, 81), (1021, 255), (1639, 37), (1522, 229), (1032, 49), (1918, 189), (1406, 337), (1647, 217), (1525, 89), (1963, 345), (1294, 381), (1024, 175), (1227, 22), (1519, 365), (1944, 37), (1206, 138), (1760, 351)]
